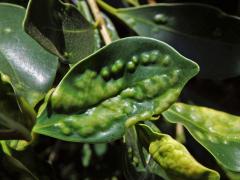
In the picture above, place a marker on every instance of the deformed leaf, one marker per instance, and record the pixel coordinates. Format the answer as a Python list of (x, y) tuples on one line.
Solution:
[(16, 118), (200, 32), (173, 157), (62, 29), (217, 131), (26, 65), (114, 88), (138, 162)]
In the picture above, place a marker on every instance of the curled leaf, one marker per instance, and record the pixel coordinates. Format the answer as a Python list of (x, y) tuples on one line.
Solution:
[(173, 157), (217, 131), (138, 162)]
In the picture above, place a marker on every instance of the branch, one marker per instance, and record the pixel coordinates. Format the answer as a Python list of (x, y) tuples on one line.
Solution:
[(100, 21)]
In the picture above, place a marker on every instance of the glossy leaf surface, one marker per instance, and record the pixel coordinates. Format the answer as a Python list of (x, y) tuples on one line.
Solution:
[(62, 29), (200, 32), (111, 28), (217, 131), (82, 6), (16, 116), (173, 157), (115, 88), (29, 68)]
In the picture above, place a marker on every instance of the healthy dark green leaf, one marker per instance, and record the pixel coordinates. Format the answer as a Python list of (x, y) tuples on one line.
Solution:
[(16, 116), (200, 32), (82, 6), (111, 28), (26, 65), (217, 131), (62, 29), (128, 81), (173, 157)]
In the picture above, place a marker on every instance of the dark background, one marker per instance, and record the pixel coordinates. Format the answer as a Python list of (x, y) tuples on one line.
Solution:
[(67, 161)]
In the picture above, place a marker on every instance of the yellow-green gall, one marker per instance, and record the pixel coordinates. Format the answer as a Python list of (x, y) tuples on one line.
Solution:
[(105, 73), (131, 66)]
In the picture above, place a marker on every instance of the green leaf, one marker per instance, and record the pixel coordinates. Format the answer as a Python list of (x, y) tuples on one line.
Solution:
[(62, 29), (138, 162), (26, 65), (114, 88), (82, 6), (13, 166), (232, 175), (200, 32), (173, 157), (18, 145), (25, 165), (217, 131), (17, 2), (16, 116), (110, 28)]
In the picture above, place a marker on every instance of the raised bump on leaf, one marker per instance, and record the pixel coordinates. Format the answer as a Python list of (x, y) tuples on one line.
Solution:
[(217, 131), (102, 95), (173, 157)]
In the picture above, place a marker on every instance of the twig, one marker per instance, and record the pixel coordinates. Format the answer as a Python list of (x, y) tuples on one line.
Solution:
[(152, 2), (100, 21)]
